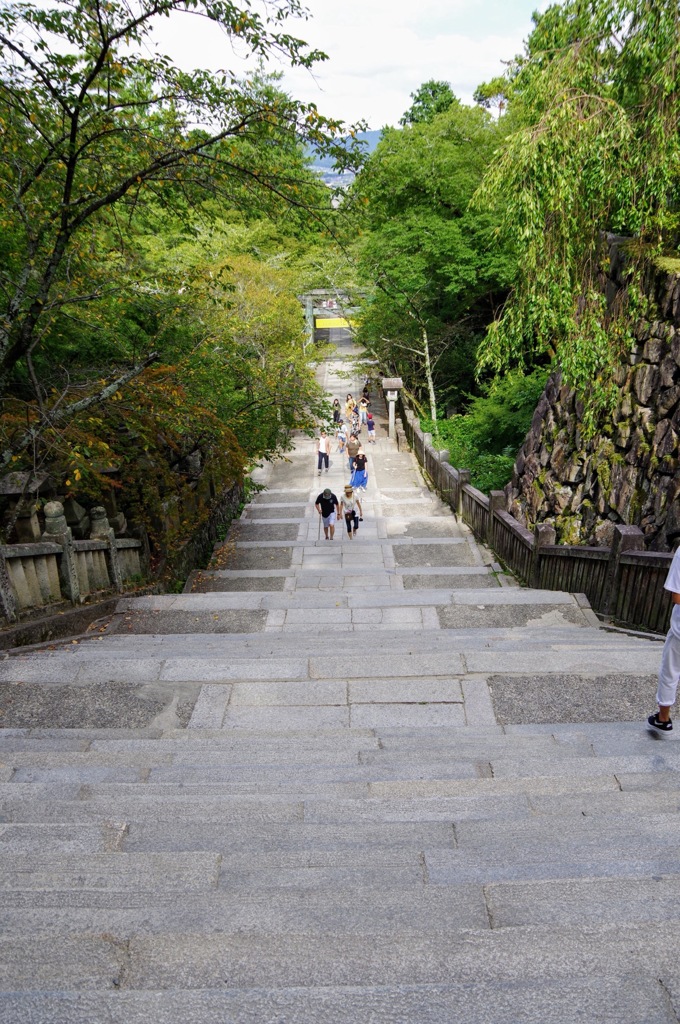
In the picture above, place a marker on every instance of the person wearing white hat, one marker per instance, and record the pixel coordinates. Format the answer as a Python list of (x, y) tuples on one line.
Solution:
[(350, 508)]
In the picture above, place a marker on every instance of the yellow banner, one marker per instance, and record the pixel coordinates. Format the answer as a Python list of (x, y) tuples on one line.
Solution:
[(338, 322)]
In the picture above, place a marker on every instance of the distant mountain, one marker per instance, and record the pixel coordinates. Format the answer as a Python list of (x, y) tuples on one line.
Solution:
[(326, 163)]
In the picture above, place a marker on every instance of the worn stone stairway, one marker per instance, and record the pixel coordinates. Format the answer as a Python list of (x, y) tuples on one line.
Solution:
[(349, 781)]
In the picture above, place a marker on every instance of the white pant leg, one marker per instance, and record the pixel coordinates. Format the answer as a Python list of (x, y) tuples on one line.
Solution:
[(669, 673)]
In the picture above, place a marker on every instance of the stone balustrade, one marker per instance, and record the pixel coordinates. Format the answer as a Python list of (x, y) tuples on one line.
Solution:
[(59, 568)]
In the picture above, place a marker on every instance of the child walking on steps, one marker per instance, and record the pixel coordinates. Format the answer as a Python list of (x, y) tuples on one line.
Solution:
[(669, 673), (341, 435)]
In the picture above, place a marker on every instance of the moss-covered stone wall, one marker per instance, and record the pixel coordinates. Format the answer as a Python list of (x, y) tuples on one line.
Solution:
[(628, 473)]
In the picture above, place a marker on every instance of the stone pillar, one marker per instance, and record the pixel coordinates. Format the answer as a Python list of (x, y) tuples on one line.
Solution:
[(391, 387), (100, 530), (140, 534), (58, 532), (544, 535), (391, 404), (26, 524), (626, 538), (8, 603)]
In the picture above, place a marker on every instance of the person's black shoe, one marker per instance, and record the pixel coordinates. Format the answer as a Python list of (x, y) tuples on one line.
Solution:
[(658, 726)]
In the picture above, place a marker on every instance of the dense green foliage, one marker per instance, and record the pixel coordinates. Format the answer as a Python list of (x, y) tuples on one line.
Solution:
[(148, 316), (436, 268), (485, 239), (430, 99), (485, 439), (105, 143), (594, 147)]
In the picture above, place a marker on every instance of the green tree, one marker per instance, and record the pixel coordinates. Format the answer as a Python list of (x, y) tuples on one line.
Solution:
[(250, 367), (436, 267), (430, 99), (595, 105), (102, 134)]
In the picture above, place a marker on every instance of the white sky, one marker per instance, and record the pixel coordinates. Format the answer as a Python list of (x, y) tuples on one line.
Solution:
[(379, 51)]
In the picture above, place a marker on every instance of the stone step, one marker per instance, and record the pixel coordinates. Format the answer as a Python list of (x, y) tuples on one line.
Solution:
[(617, 999), (295, 844), (278, 750), (469, 598), (26, 801), (61, 838), (376, 909), (479, 643), (212, 662), (428, 748), (197, 871), (204, 962), (424, 609), (199, 775), (23, 799), (331, 804), (369, 768), (433, 546)]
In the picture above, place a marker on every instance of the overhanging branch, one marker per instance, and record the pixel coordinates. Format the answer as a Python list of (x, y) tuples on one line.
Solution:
[(60, 417)]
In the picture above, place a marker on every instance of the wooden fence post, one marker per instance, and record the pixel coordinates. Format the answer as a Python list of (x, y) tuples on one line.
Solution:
[(463, 479), (543, 536), (626, 538), (496, 501)]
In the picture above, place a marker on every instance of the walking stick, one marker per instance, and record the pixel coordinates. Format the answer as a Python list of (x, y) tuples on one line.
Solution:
[(318, 534)]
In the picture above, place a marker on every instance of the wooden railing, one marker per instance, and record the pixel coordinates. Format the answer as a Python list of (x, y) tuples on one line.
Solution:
[(513, 544), (640, 596), (623, 582), (475, 509), (580, 570)]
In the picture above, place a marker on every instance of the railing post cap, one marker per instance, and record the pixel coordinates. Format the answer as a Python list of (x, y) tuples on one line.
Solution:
[(627, 538), (544, 534), (55, 520), (99, 522), (628, 531)]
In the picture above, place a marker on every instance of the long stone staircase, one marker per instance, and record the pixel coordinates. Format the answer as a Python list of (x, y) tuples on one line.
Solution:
[(364, 781)]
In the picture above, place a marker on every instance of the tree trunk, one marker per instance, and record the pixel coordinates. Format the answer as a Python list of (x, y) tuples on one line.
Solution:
[(428, 374)]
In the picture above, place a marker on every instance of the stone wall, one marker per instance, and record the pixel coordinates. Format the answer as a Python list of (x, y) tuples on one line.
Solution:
[(629, 473), (197, 551)]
